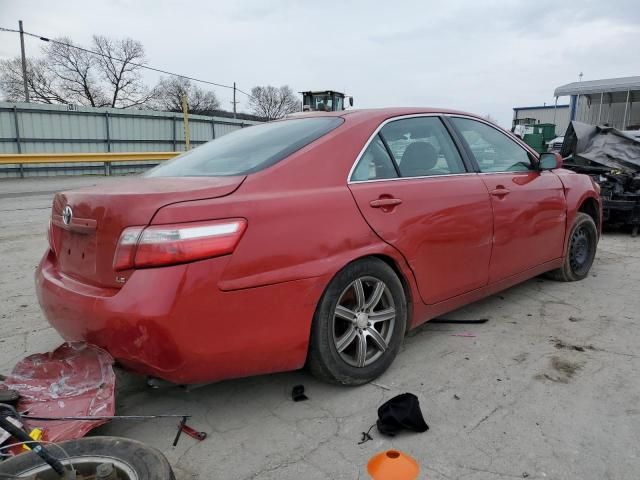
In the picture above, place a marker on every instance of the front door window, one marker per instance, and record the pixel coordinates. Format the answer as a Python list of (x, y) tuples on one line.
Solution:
[(493, 150)]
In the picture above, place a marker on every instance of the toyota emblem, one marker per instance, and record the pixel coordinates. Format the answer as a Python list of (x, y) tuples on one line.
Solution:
[(67, 215)]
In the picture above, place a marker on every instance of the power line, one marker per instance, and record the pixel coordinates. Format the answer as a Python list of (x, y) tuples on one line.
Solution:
[(93, 52)]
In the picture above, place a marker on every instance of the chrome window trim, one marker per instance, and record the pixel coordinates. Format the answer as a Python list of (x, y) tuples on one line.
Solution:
[(355, 182), (509, 135), (510, 172), (373, 135)]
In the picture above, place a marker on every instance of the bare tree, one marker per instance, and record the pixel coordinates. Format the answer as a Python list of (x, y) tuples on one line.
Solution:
[(170, 91), (66, 74), (272, 102), (40, 81), (120, 67), (76, 72)]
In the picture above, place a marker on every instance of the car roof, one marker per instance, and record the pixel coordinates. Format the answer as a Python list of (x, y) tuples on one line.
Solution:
[(384, 113)]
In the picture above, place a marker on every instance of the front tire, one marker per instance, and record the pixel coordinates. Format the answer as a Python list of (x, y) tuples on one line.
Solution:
[(581, 250), (359, 324)]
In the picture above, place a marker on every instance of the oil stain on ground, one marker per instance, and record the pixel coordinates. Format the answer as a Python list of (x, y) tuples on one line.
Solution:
[(561, 345), (562, 370)]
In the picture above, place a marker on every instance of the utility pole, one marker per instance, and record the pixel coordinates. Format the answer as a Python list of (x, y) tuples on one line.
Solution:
[(234, 100), (24, 63)]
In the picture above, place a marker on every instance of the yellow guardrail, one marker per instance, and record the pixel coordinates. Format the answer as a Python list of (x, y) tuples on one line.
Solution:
[(29, 158)]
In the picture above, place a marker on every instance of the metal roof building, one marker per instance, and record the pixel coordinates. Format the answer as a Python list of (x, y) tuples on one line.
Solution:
[(607, 101)]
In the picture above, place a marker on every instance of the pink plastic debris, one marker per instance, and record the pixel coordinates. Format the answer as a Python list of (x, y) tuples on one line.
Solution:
[(74, 380)]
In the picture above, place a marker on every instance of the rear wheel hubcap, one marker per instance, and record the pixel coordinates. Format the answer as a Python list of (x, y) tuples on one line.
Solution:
[(363, 321)]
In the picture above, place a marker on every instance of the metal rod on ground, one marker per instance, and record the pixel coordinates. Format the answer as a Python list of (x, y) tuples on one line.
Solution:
[(183, 422), (450, 320), (103, 417), (24, 63), (181, 427)]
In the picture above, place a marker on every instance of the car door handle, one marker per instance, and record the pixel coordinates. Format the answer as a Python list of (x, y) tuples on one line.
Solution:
[(500, 191), (385, 202)]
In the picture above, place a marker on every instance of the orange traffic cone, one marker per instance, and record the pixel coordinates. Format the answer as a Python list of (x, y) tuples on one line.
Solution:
[(393, 465)]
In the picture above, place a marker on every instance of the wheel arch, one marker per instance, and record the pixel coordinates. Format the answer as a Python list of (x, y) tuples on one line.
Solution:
[(405, 284), (395, 266), (320, 356), (590, 206)]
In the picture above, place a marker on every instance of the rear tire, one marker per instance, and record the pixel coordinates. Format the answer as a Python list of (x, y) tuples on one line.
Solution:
[(581, 251), (359, 324)]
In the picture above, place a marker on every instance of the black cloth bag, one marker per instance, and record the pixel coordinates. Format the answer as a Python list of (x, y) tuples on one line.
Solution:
[(402, 412)]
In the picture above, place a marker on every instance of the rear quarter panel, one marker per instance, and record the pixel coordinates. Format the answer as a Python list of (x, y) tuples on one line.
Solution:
[(302, 219)]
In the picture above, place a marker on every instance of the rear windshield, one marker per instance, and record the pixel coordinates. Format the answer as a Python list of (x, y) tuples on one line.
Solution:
[(248, 149)]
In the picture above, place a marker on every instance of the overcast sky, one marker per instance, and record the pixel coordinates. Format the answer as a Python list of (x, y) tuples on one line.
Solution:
[(480, 56)]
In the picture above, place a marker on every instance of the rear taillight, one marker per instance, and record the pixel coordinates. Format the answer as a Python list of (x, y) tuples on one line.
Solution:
[(124, 257), (159, 245)]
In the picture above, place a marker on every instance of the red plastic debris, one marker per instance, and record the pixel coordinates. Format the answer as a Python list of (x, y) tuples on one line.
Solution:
[(74, 380)]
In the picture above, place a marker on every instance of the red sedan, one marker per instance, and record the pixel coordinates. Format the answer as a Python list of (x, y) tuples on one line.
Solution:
[(319, 240)]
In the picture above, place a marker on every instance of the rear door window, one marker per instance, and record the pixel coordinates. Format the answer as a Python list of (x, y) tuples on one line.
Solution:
[(410, 147), (375, 163), (247, 150), (422, 147)]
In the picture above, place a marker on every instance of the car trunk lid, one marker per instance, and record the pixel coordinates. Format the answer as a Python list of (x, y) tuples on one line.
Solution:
[(86, 223)]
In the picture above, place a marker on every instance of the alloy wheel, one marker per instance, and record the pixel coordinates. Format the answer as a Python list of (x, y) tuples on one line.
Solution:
[(363, 321)]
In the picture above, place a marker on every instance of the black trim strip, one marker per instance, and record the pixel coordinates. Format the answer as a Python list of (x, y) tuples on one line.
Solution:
[(468, 158), (390, 153)]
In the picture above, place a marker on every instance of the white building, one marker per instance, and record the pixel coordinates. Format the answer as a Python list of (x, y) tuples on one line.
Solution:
[(556, 114)]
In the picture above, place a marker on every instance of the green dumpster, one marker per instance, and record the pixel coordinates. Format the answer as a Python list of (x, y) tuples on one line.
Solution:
[(548, 130), (535, 141)]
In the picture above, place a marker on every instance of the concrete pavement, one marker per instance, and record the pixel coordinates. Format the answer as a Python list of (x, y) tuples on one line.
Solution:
[(548, 388)]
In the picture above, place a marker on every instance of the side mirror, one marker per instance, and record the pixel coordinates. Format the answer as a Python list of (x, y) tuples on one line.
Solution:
[(351, 101), (550, 161)]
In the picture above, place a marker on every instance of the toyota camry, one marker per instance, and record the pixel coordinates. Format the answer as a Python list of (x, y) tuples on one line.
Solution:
[(316, 240)]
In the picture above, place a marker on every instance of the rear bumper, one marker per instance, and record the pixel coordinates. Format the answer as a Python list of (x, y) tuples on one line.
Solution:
[(174, 323)]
